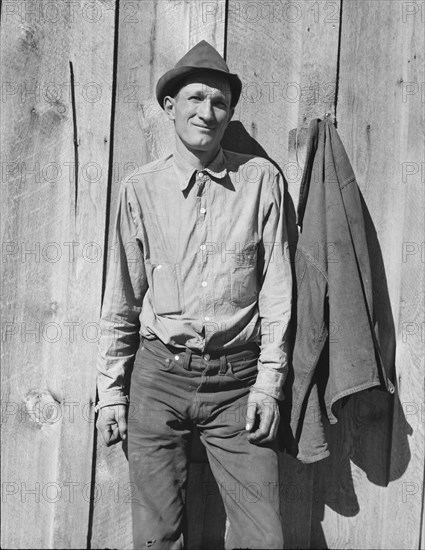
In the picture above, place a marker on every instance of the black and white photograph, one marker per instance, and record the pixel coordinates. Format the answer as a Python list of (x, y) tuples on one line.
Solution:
[(213, 274)]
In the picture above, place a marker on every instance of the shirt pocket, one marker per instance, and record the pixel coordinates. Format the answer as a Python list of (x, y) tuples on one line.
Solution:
[(243, 276), (165, 288)]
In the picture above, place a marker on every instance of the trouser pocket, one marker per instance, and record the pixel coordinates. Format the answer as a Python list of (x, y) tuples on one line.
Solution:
[(244, 370)]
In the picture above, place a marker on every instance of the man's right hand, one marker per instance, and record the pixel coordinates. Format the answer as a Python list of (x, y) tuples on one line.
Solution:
[(112, 424)]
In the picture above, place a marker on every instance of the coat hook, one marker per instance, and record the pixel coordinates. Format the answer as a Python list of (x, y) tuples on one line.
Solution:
[(328, 115)]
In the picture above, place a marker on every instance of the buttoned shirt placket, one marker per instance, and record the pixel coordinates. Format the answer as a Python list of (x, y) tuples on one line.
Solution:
[(203, 183)]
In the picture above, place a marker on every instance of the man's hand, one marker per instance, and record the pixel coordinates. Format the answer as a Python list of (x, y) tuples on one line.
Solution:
[(267, 409), (112, 424)]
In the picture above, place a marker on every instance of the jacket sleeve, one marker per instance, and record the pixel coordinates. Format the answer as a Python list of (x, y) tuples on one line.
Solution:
[(275, 295), (126, 286)]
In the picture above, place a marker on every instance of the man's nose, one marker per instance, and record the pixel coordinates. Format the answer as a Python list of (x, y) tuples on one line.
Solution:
[(205, 110)]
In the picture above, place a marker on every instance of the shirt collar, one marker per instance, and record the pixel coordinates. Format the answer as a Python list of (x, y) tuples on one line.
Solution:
[(184, 170)]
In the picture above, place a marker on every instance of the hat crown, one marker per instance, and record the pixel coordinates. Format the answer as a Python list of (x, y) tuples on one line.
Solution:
[(203, 56)]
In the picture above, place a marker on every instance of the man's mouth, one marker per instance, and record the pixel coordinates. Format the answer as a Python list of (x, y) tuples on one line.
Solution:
[(209, 128)]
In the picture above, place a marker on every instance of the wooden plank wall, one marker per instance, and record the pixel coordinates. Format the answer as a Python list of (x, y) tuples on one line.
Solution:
[(152, 36), (361, 61), (287, 59), (370, 491), (53, 227)]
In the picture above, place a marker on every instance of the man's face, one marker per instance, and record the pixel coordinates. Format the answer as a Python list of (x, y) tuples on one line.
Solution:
[(201, 111)]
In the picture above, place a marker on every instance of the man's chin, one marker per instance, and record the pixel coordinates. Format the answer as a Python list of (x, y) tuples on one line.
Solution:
[(204, 146)]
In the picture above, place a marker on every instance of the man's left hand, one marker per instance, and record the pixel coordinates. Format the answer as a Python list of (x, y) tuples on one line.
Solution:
[(267, 408)]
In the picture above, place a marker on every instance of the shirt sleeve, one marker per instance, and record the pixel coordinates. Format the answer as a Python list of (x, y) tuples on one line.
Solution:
[(275, 296), (126, 285)]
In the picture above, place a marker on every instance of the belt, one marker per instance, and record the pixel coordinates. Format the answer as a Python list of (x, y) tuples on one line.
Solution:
[(249, 348), (216, 358)]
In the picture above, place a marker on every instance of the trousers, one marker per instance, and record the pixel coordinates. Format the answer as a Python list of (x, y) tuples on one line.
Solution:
[(171, 392)]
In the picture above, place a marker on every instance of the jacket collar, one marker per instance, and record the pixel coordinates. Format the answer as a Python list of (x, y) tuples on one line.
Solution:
[(184, 170)]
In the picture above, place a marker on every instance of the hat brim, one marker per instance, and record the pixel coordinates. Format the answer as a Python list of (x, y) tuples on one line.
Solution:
[(169, 83)]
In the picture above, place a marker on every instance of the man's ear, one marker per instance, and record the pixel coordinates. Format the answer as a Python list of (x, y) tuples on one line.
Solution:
[(169, 107)]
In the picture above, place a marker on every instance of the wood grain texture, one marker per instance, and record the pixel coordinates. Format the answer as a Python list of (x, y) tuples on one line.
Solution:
[(153, 36), (370, 492), (287, 60), (53, 292), (317, 79), (371, 487), (286, 55), (264, 49)]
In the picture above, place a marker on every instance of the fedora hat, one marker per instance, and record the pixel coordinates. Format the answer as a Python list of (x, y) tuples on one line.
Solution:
[(202, 57)]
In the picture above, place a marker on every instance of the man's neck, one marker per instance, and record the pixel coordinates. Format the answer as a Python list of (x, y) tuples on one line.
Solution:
[(198, 159)]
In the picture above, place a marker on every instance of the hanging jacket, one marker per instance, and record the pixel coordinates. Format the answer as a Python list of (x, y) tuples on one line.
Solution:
[(335, 352)]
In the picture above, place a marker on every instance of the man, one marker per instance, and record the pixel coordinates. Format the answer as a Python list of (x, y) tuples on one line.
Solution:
[(200, 271)]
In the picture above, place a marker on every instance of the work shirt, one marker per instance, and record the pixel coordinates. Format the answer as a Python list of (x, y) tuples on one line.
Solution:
[(199, 260)]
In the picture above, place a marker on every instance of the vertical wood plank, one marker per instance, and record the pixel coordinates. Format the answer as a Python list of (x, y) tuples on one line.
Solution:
[(410, 359), (370, 490), (53, 240), (152, 37), (286, 55)]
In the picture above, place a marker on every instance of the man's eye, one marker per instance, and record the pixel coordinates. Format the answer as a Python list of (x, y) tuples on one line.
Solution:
[(196, 97), (221, 105)]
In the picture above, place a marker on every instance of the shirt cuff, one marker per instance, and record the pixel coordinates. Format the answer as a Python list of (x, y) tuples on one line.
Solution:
[(270, 383), (110, 400)]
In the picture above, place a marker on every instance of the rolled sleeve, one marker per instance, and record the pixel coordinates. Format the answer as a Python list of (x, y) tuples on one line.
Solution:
[(126, 285), (274, 299)]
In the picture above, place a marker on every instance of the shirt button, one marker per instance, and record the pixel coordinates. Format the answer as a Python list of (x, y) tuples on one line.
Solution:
[(202, 211), (204, 283), (177, 357), (207, 357), (202, 247), (206, 318)]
